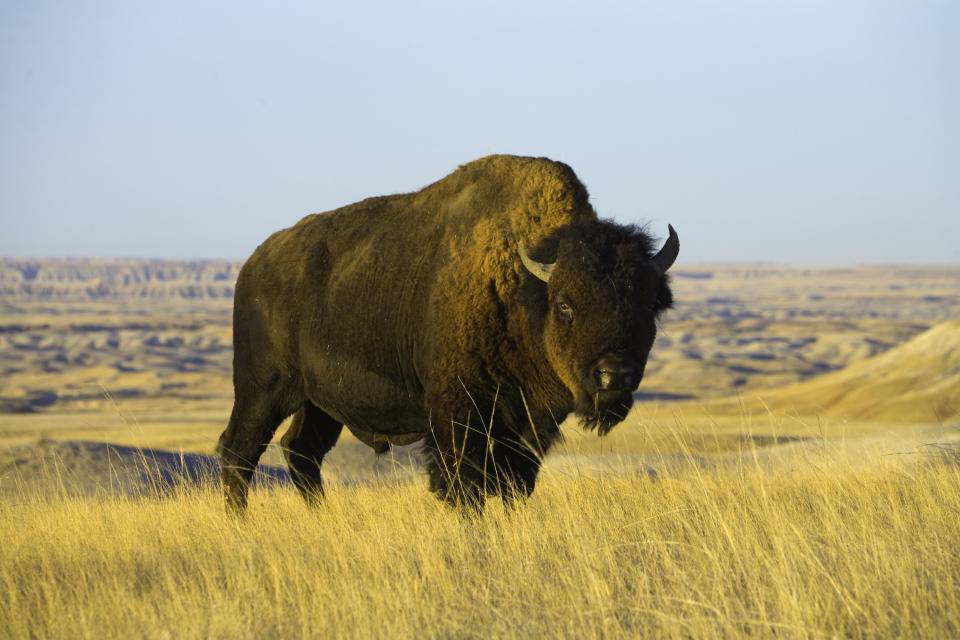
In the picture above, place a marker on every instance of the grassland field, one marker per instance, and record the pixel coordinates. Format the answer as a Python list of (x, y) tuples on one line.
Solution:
[(790, 469)]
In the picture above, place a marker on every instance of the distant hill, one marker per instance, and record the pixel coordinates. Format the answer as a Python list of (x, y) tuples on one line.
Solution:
[(914, 382), (85, 279)]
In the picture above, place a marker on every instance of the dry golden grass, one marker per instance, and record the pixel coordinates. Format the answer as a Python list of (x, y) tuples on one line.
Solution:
[(830, 549)]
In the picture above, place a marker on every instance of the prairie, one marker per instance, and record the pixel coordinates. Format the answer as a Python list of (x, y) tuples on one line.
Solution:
[(790, 469), (831, 548)]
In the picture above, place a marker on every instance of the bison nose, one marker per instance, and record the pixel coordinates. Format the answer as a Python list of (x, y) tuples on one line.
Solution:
[(616, 373)]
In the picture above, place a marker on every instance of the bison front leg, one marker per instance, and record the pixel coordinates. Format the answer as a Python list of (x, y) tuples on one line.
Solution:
[(459, 463), (518, 453), (517, 465)]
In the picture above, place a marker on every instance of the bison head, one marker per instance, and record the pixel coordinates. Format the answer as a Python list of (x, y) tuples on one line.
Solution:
[(604, 292)]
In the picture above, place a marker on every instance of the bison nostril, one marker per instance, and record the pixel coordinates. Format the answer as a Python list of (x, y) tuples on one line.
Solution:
[(604, 378), (615, 374)]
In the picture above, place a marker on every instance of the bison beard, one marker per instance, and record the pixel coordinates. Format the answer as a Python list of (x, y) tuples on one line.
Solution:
[(421, 317), (608, 409)]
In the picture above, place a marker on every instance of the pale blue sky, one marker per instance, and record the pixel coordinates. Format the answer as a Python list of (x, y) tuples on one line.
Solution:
[(795, 132)]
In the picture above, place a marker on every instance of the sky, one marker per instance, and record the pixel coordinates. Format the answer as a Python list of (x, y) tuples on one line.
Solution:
[(805, 132)]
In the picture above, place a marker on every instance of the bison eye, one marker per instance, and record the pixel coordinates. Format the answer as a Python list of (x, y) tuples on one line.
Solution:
[(564, 311)]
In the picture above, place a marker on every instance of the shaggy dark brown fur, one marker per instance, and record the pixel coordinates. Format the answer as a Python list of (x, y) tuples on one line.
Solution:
[(411, 317)]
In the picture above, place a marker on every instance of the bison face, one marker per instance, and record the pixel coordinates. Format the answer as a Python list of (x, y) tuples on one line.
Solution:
[(597, 337), (603, 300)]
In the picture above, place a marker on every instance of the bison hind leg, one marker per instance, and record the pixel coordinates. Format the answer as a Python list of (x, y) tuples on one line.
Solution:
[(311, 435), (252, 423)]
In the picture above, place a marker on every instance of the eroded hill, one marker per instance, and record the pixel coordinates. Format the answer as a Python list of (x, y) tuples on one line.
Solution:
[(88, 279), (917, 382)]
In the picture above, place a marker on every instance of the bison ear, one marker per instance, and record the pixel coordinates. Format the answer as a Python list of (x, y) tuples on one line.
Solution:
[(665, 257), (541, 270)]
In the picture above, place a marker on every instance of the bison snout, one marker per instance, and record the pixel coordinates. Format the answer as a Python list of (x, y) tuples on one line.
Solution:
[(616, 373)]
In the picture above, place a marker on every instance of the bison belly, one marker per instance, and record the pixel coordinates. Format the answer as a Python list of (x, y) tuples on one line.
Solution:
[(374, 407)]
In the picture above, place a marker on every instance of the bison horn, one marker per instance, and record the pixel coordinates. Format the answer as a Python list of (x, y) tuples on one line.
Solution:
[(539, 269), (665, 257)]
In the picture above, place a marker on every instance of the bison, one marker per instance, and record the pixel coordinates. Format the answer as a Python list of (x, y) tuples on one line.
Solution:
[(473, 315)]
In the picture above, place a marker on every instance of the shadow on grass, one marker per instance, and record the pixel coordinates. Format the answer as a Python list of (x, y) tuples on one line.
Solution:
[(78, 467)]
